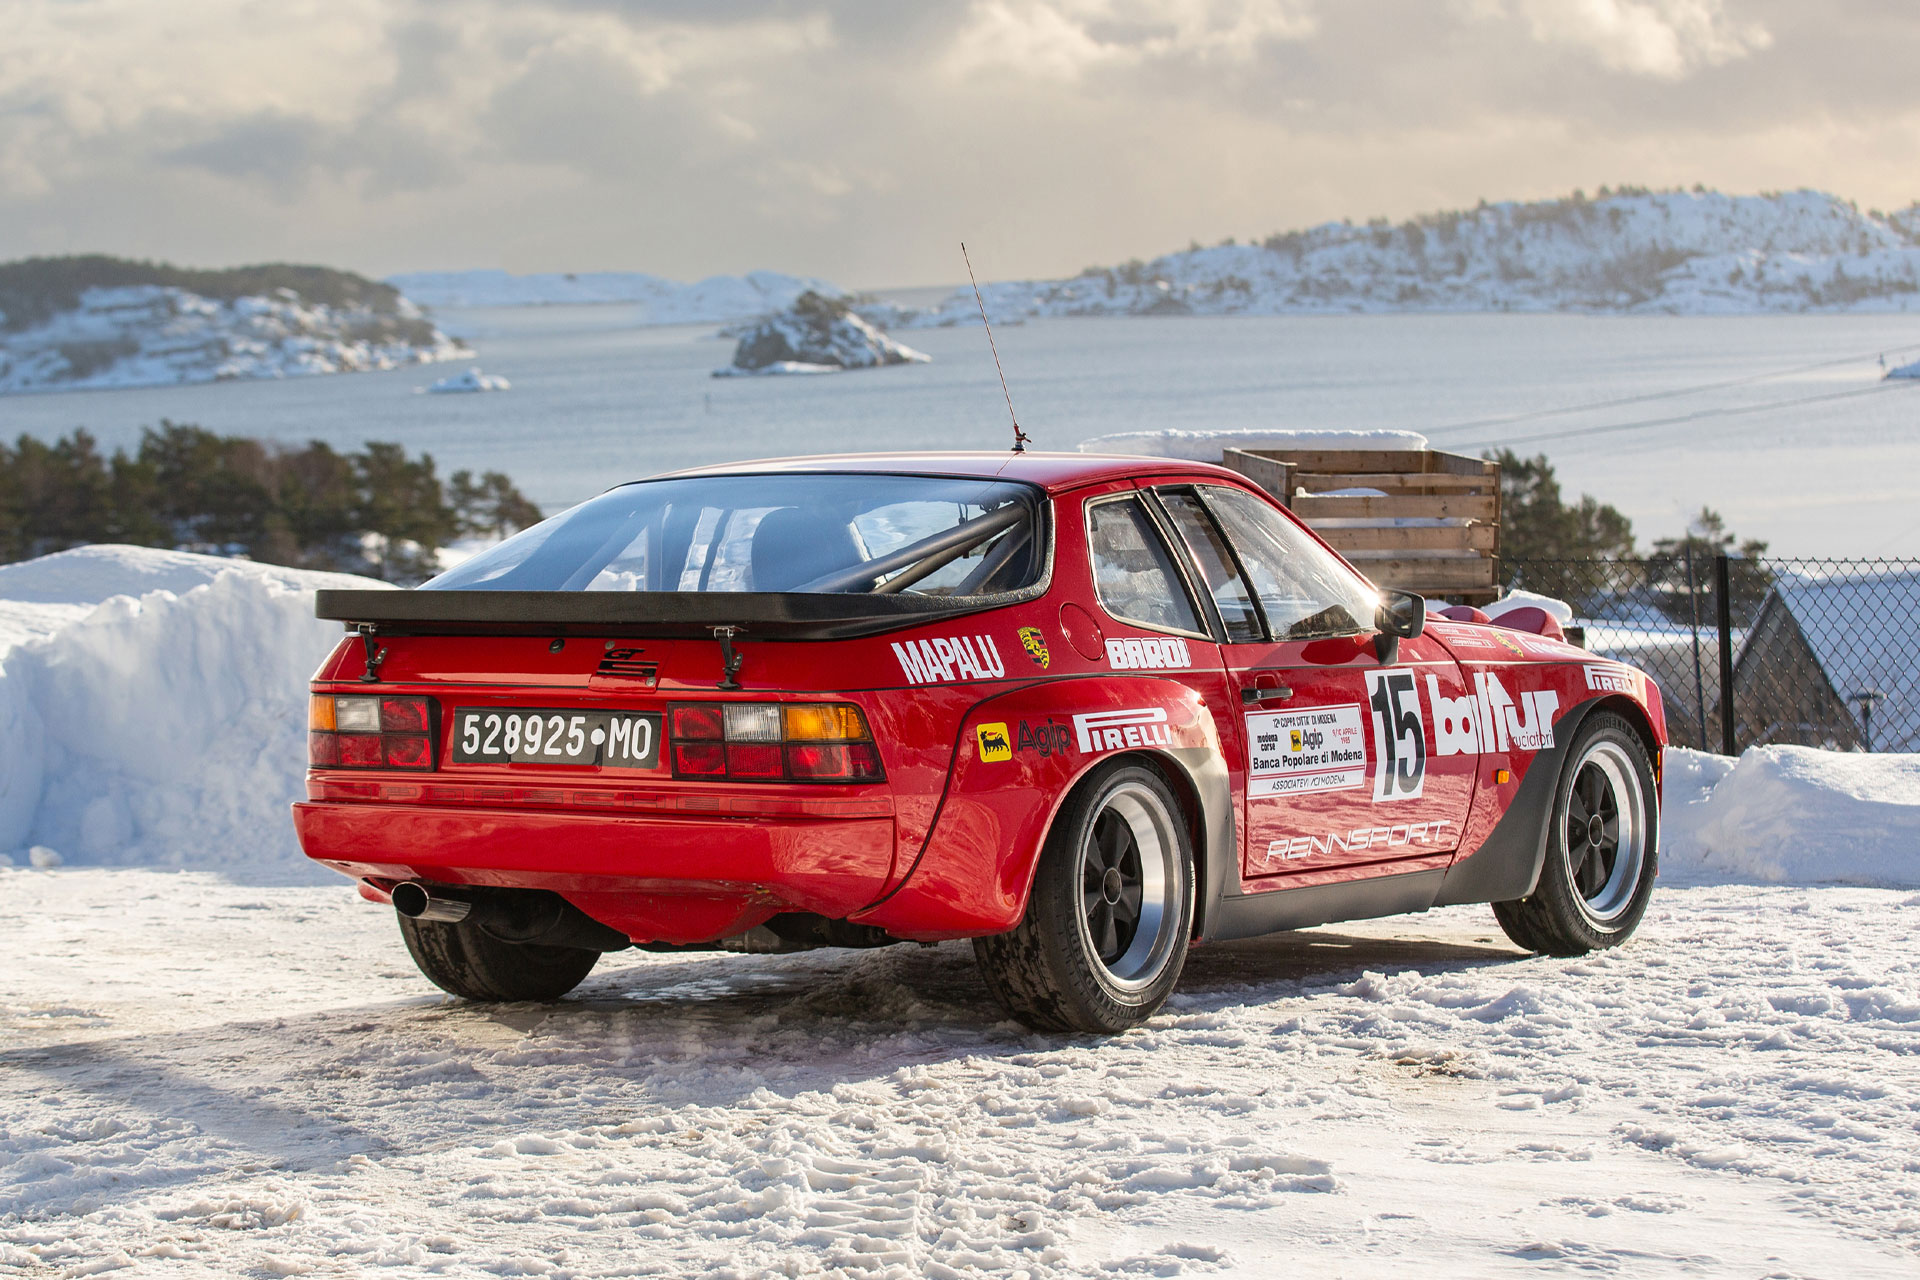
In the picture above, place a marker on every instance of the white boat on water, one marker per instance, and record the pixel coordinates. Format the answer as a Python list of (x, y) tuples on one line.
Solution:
[(471, 380)]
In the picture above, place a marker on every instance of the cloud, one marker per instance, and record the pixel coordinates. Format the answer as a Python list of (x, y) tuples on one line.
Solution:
[(859, 139), (1662, 39)]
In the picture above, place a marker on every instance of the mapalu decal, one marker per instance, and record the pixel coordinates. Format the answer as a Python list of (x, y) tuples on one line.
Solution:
[(1117, 730), (945, 660), (1035, 644), (1155, 654), (993, 743), (1489, 719)]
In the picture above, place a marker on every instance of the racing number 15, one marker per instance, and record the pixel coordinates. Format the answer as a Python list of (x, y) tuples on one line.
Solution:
[(1399, 735)]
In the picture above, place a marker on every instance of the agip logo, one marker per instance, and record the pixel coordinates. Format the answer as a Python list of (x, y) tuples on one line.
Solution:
[(1036, 646), (995, 746)]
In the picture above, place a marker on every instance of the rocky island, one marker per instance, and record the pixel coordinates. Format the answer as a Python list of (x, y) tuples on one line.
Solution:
[(87, 322), (818, 334)]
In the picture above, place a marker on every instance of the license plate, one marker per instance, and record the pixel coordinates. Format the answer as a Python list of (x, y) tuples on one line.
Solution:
[(533, 735)]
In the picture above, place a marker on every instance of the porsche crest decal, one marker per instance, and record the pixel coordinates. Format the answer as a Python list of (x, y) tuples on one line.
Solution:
[(1036, 646)]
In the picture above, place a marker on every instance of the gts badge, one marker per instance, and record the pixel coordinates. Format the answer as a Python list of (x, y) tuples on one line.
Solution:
[(995, 746), (627, 664)]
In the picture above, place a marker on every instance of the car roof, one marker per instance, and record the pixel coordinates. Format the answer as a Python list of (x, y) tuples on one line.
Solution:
[(1051, 471)]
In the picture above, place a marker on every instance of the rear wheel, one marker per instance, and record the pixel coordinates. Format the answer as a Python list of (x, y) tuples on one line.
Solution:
[(474, 965), (1601, 855), (1106, 929)]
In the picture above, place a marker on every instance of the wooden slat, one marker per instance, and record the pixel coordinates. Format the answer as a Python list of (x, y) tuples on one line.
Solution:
[(1475, 537), (1274, 476), (1393, 460), (1320, 482), (1429, 576), (1467, 507)]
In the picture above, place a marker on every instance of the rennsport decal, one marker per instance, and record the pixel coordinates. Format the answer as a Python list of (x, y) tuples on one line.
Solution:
[(1114, 730), (1462, 636), (1399, 735), (1153, 654), (1359, 840), (1035, 644), (993, 743), (1490, 719), (946, 659), (1302, 752), (1613, 679)]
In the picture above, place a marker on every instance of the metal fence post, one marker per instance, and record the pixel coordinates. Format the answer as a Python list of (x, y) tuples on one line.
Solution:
[(1699, 682), (1723, 602)]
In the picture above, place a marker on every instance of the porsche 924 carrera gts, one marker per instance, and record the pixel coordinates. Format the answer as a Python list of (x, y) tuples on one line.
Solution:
[(1088, 712)]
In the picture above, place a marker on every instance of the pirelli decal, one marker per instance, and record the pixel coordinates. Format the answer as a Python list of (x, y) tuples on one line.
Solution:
[(1116, 730), (949, 659)]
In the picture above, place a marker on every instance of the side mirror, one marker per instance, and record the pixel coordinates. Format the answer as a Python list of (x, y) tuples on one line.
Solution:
[(1402, 615)]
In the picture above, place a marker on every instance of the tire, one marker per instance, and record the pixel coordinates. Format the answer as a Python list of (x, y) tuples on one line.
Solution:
[(1602, 851), (1107, 924), (470, 963)]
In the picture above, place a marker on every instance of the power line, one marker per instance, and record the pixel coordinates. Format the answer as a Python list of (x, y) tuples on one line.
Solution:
[(1697, 415), (1672, 394)]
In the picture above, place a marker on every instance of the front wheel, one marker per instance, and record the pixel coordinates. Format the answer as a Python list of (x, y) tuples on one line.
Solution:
[(1602, 848), (1107, 924), (471, 963)]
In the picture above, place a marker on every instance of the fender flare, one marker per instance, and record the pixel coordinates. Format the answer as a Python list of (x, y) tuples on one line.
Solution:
[(1507, 864), (974, 871)]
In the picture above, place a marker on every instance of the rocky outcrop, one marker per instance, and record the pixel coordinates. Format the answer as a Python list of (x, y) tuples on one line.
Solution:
[(818, 334)]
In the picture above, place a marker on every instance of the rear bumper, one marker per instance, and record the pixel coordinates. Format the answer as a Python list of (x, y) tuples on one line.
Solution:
[(656, 877)]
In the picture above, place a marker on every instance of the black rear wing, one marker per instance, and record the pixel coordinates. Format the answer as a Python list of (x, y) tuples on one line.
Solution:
[(759, 615)]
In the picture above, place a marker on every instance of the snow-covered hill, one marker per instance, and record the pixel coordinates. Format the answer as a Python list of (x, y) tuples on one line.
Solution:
[(816, 335), (156, 335), (715, 300), (1681, 252)]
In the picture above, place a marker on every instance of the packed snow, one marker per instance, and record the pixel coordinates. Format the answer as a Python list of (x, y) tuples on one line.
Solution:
[(714, 300), (472, 380), (154, 335), (153, 708), (1691, 253), (225, 1070)]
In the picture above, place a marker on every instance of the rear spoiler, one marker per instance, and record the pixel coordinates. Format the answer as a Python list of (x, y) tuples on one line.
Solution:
[(759, 615)]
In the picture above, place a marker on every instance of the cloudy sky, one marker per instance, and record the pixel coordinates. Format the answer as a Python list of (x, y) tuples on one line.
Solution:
[(860, 139)]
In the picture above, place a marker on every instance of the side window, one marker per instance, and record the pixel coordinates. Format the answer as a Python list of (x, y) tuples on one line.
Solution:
[(1304, 591), (1225, 584), (1132, 571)]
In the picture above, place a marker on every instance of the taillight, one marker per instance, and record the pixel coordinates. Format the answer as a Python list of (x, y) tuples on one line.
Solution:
[(364, 732), (772, 742)]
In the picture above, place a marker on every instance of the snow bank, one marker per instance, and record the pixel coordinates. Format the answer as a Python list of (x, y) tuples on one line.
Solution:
[(1559, 610), (1207, 446), (1793, 815), (161, 721)]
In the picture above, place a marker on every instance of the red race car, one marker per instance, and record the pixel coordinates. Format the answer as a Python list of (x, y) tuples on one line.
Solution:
[(1087, 711)]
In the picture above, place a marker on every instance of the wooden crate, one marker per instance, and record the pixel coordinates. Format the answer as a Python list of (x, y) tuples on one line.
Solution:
[(1456, 558)]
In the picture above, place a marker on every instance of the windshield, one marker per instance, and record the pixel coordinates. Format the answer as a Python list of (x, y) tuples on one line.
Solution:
[(918, 535)]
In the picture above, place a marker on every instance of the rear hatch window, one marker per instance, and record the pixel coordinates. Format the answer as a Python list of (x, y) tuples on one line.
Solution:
[(929, 536)]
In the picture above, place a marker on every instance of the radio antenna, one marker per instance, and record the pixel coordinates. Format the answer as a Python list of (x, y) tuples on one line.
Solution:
[(1020, 437)]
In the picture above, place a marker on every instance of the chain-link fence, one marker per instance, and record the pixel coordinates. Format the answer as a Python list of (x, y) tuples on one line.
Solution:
[(1748, 652)]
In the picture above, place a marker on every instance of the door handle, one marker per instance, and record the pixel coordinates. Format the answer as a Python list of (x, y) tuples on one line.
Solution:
[(1253, 694)]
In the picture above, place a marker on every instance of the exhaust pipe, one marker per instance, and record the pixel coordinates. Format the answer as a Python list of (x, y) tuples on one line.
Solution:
[(536, 917), (416, 902)]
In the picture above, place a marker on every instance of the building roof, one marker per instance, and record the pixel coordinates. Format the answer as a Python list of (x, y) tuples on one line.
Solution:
[(1864, 631)]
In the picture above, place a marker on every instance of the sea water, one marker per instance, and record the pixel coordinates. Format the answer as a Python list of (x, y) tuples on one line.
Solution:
[(1746, 423)]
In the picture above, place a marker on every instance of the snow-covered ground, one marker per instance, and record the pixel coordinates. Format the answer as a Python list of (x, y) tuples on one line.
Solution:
[(198, 1079), (153, 335), (222, 1070), (714, 300)]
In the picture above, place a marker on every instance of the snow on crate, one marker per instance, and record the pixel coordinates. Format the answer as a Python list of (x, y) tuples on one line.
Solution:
[(1210, 446), (157, 713)]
